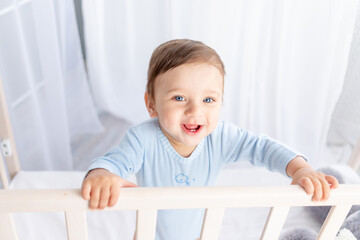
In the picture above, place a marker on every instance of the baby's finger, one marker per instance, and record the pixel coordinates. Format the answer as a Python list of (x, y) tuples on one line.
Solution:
[(332, 181), (104, 197), (94, 197), (325, 189), (114, 195), (85, 190), (124, 183), (307, 185), (318, 190)]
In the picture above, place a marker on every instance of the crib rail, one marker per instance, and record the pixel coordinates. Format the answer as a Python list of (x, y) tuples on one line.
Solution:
[(214, 199)]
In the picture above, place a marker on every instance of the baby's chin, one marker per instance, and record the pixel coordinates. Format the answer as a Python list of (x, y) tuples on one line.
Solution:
[(193, 141)]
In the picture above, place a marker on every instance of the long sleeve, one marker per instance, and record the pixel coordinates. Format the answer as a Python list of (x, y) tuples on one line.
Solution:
[(124, 159), (239, 145)]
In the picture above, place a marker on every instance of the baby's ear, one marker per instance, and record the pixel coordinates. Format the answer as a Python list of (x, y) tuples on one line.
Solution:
[(150, 105)]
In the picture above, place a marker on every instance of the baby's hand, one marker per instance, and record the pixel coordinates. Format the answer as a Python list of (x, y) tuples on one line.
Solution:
[(102, 188), (315, 183)]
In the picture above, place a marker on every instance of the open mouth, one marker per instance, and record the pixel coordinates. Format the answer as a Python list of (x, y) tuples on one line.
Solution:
[(192, 128)]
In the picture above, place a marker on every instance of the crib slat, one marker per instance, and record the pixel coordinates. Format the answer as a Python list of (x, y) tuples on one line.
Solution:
[(333, 222), (76, 225), (145, 224), (274, 223), (212, 223), (7, 227)]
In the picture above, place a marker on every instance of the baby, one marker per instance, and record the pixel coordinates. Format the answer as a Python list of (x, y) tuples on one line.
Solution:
[(184, 144)]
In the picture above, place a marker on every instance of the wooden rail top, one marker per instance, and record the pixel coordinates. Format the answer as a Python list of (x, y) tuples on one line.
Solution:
[(176, 198)]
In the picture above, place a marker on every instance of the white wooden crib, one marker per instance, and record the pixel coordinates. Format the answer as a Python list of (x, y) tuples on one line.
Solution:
[(146, 201)]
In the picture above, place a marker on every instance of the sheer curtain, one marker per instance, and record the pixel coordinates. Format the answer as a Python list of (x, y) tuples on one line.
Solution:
[(285, 60), (344, 130), (44, 78)]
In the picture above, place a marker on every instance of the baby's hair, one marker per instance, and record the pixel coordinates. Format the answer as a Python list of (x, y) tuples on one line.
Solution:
[(177, 52)]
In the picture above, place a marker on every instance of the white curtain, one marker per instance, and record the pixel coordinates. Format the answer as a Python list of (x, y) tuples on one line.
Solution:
[(344, 130), (44, 78), (285, 60)]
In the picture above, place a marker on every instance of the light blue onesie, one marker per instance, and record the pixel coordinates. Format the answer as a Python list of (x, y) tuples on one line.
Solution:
[(146, 152)]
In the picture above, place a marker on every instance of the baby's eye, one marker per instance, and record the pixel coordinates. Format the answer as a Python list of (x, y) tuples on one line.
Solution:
[(208, 100), (179, 98)]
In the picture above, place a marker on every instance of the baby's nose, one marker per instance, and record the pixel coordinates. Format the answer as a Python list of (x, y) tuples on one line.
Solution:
[(193, 110)]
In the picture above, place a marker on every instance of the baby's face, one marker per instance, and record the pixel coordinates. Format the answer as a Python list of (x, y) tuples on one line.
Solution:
[(187, 102)]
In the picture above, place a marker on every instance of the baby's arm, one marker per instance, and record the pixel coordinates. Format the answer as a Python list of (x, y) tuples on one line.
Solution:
[(102, 188), (315, 183)]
